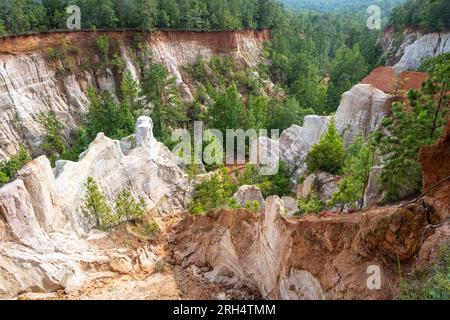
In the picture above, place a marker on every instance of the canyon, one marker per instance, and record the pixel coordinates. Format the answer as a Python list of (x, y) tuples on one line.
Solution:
[(49, 248), (30, 83)]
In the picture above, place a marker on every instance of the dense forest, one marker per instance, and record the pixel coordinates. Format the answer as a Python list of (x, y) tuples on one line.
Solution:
[(17, 16), (431, 15), (359, 6)]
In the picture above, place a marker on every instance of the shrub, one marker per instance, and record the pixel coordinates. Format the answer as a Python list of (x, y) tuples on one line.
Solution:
[(151, 228), (329, 154), (214, 193), (52, 145), (358, 162), (127, 208), (310, 204), (8, 169), (103, 46), (161, 266), (277, 184), (97, 207), (433, 283), (253, 206), (55, 54)]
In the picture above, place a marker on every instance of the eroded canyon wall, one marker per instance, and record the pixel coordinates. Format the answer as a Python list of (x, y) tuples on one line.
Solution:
[(31, 82)]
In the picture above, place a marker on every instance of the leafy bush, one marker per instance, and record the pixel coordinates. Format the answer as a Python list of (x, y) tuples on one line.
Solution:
[(55, 54), (151, 228), (9, 168), (161, 266), (329, 154), (358, 162), (310, 204), (433, 283), (96, 205), (127, 208), (277, 184), (52, 145), (103, 45), (253, 206), (214, 193)]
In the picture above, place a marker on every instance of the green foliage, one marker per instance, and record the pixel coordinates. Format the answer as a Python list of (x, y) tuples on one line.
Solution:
[(329, 154), (9, 168), (17, 16), (339, 5), (52, 145), (356, 170), (408, 130), (432, 283), (277, 184), (348, 67), (227, 112), (161, 266), (127, 208), (310, 204), (96, 205), (217, 192), (159, 89), (103, 46), (115, 119), (253, 206), (431, 15), (151, 228), (55, 53)]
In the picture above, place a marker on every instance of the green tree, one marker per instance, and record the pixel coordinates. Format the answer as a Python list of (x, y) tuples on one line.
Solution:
[(9, 168), (96, 205), (97, 13), (52, 145), (160, 90), (348, 67), (409, 128), (329, 154), (217, 192), (127, 208), (310, 204), (147, 14), (356, 170), (227, 111)]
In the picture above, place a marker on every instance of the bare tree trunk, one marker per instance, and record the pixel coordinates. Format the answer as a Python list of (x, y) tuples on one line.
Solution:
[(438, 109)]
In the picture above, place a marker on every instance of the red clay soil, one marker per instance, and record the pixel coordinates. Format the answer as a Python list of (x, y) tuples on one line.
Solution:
[(435, 161), (383, 78), (220, 41)]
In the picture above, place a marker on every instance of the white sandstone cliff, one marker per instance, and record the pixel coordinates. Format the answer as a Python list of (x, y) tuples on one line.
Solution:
[(30, 83), (44, 230)]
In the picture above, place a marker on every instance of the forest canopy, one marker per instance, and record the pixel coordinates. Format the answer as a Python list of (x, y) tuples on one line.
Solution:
[(18, 16), (432, 15)]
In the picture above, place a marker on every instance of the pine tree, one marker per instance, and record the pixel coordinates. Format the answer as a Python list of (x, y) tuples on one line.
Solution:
[(96, 205), (348, 67), (356, 170), (127, 208), (411, 127), (329, 154), (227, 112), (160, 90)]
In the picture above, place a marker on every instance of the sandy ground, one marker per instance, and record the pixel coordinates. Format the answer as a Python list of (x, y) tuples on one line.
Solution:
[(172, 282)]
